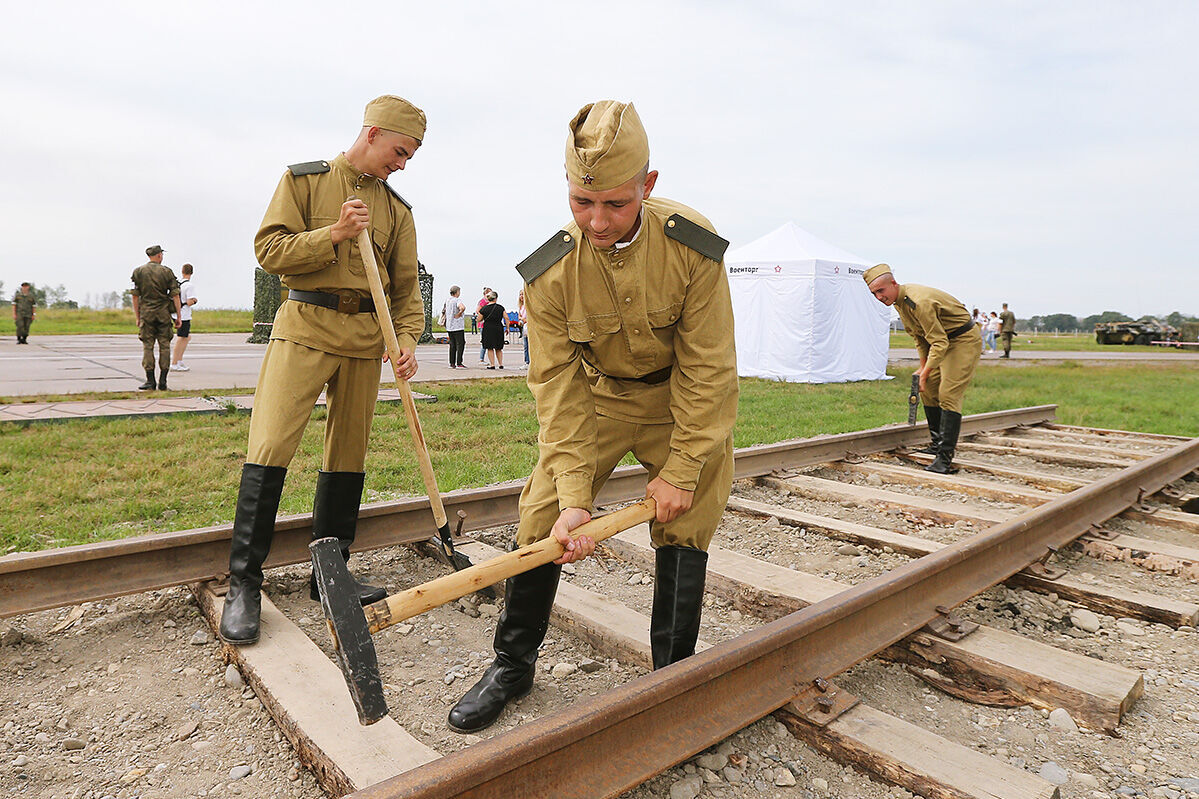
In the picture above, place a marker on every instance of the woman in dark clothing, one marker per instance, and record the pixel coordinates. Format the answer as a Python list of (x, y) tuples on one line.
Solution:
[(494, 324)]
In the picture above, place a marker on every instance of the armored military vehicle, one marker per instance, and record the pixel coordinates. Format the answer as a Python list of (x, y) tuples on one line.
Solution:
[(1134, 332)]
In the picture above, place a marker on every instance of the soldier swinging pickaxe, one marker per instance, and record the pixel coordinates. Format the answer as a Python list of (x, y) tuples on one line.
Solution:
[(352, 625)]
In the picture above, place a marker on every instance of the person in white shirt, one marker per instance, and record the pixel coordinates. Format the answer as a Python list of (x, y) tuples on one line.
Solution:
[(187, 298), (453, 317), (989, 330)]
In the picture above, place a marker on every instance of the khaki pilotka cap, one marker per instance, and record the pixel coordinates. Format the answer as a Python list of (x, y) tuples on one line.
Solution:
[(878, 270), (606, 145), (397, 115)]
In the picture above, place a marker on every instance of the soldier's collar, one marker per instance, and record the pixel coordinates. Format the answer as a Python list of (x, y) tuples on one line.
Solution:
[(354, 173)]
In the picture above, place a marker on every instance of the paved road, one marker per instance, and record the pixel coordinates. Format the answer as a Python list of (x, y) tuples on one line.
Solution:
[(224, 361), (218, 361)]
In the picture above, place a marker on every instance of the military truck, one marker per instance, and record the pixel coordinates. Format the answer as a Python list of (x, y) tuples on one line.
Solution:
[(1134, 332)]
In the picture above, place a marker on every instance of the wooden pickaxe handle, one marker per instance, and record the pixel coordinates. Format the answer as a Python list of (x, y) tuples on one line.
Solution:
[(414, 601), (383, 312)]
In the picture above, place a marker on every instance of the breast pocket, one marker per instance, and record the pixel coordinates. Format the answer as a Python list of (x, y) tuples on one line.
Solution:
[(665, 317), (592, 328)]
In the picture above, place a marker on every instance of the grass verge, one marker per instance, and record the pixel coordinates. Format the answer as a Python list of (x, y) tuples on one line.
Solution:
[(90, 480), (88, 321)]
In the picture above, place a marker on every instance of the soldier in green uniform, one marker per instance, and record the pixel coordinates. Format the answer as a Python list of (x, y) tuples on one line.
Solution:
[(23, 311), (949, 345), (1007, 329), (326, 335), (155, 289), (631, 350)]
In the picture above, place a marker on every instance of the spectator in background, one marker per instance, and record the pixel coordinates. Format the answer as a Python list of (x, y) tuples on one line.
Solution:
[(990, 328), (453, 318), (493, 330), (522, 316), (1007, 330), (980, 319), (187, 298), (479, 321), (23, 311), (155, 291)]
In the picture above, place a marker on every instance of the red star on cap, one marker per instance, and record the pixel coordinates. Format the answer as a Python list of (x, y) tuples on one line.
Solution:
[(588, 179)]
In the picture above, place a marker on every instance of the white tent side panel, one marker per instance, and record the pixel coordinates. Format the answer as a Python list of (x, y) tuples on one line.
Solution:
[(802, 312)]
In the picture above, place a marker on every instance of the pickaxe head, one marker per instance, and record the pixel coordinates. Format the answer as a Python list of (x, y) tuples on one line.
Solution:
[(352, 641)]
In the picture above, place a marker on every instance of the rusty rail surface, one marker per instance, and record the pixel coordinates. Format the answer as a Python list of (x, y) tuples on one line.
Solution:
[(31, 581), (602, 746)]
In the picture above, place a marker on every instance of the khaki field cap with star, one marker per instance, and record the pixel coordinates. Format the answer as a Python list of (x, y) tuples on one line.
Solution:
[(875, 271), (606, 146), (395, 114)]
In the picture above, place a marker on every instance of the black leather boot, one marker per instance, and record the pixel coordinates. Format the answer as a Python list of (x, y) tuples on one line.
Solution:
[(951, 426), (335, 515), (528, 600), (678, 602), (162, 378), (149, 385), (933, 414), (253, 528)]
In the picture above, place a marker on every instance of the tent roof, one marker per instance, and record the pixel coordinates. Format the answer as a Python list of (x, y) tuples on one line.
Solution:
[(791, 243)]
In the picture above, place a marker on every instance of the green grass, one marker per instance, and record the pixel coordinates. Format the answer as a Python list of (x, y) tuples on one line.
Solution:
[(90, 480), (1047, 342), (83, 321)]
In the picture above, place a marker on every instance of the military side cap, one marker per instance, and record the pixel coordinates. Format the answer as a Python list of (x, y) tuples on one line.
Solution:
[(155, 249), (875, 271), (546, 256), (396, 114), (606, 145)]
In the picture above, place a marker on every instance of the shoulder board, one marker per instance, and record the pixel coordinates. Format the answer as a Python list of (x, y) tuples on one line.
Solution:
[(698, 238), (546, 256), (908, 301), (396, 194), (309, 168)]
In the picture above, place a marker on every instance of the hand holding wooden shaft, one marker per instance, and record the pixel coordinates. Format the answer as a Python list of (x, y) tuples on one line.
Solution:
[(352, 625)]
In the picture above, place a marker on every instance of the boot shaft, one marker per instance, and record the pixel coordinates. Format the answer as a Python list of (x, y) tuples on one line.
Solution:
[(335, 507), (528, 601), (254, 520), (678, 603)]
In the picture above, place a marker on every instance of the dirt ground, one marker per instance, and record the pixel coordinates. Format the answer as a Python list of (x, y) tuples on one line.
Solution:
[(129, 697)]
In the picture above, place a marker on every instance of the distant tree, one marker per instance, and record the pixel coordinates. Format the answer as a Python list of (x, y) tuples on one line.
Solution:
[(57, 296), (126, 299), (1, 288), (110, 300), (1107, 316), (1060, 321), (1175, 318), (39, 295)]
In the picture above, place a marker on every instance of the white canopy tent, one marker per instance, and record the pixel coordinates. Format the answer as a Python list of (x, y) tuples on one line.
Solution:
[(802, 312)]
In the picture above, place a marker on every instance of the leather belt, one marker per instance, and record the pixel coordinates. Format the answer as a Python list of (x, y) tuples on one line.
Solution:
[(337, 302), (961, 331), (653, 378)]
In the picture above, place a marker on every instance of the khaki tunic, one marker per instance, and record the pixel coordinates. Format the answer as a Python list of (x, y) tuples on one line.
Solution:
[(600, 317), (929, 315), (294, 242), (312, 347)]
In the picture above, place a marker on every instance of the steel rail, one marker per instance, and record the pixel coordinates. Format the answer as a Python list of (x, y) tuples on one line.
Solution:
[(31, 581), (602, 746)]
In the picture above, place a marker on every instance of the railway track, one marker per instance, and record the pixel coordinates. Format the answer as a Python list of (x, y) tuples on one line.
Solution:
[(1040, 498)]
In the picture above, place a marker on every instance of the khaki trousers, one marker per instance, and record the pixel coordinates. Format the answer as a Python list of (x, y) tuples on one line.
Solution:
[(650, 445), (156, 330), (289, 384), (946, 385)]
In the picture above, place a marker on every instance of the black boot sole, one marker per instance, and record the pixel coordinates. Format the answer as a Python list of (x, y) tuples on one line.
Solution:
[(237, 642)]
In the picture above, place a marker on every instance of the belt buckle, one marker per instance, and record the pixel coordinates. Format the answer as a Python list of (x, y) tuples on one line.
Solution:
[(347, 304)]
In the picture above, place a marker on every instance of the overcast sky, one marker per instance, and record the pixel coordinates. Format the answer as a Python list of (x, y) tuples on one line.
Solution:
[(1043, 154)]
